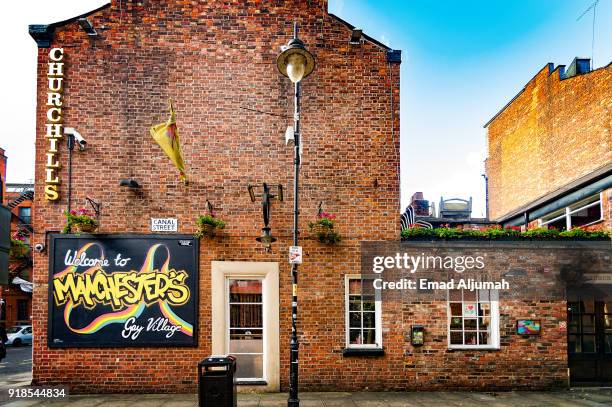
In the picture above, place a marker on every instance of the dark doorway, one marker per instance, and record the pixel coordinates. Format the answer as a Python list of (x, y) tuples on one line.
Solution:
[(589, 340)]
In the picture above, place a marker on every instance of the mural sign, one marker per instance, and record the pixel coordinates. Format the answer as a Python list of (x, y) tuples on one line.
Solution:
[(123, 290)]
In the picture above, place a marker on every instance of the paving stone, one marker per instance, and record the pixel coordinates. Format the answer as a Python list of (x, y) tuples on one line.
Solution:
[(573, 398)]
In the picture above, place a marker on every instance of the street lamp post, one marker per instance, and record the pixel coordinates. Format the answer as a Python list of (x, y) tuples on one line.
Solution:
[(296, 63)]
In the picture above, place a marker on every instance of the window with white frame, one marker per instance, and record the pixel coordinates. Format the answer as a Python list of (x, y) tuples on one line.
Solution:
[(582, 213), (473, 319), (363, 313)]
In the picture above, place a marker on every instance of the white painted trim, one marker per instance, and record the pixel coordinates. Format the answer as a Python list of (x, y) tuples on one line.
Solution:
[(269, 273), (568, 213), (494, 301), (377, 317)]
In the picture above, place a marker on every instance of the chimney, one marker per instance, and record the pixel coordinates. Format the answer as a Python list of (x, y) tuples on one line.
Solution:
[(420, 205), (578, 66)]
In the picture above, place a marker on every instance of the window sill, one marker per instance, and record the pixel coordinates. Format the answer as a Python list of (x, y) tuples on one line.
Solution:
[(363, 352), (251, 382), (453, 348)]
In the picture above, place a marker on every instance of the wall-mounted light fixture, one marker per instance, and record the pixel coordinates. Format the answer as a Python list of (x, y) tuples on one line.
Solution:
[(129, 183), (87, 26), (266, 238)]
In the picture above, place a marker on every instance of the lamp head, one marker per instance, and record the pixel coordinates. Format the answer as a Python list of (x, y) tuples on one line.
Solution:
[(129, 183), (295, 62), (266, 238)]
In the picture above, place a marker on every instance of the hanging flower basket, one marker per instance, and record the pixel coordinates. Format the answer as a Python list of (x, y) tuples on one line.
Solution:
[(207, 226), (318, 228), (84, 227), (323, 229), (207, 230), (80, 221)]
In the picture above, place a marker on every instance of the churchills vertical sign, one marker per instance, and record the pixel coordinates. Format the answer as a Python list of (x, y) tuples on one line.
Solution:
[(54, 131)]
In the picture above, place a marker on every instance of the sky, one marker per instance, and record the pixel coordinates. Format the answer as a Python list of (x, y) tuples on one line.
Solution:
[(462, 61)]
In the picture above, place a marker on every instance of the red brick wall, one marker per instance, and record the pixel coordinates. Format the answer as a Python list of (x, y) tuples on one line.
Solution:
[(553, 133), (521, 362), (215, 59)]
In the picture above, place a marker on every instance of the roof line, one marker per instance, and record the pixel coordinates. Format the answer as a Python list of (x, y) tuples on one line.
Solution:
[(586, 73), (550, 66), (594, 175), (367, 37), (551, 70), (43, 33)]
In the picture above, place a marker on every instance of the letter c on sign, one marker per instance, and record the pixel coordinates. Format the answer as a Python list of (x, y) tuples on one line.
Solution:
[(56, 54), (54, 114)]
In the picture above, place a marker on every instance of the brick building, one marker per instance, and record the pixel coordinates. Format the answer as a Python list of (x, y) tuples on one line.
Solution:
[(550, 153), (16, 299), (550, 165), (226, 294), (217, 61)]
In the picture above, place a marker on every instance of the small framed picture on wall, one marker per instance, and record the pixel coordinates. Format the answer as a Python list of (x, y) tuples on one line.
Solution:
[(528, 327)]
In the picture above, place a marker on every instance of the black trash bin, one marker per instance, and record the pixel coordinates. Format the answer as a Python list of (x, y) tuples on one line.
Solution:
[(216, 387)]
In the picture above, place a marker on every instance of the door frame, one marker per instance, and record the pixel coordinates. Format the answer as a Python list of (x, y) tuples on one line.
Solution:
[(269, 273), (598, 358)]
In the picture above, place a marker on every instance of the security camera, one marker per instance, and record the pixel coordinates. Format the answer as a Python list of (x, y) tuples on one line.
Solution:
[(39, 247), (77, 136)]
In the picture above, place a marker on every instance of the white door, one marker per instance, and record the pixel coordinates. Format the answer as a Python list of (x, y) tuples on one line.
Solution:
[(246, 327), (245, 322)]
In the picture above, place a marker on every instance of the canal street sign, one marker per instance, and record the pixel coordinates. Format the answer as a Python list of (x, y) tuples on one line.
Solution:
[(164, 224)]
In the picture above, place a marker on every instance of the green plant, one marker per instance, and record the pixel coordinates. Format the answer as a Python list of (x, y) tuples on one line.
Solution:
[(324, 219), (19, 249), (329, 237), (496, 232), (79, 216), (578, 233), (207, 224), (210, 220), (541, 233), (323, 228)]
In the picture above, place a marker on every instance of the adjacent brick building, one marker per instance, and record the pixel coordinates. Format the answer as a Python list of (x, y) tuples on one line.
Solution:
[(549, 165), (15, 300), (550, 150)]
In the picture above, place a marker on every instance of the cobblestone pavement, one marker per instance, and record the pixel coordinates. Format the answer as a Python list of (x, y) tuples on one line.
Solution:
[(560, 398)]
